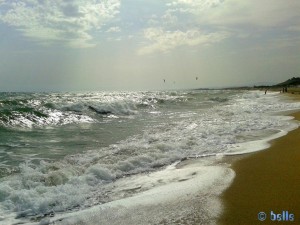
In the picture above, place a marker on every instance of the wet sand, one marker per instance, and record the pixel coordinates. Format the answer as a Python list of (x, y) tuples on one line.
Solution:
[(266, 181)]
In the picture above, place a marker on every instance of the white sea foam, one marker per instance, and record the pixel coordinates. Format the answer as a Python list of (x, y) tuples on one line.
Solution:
[(186, 193)]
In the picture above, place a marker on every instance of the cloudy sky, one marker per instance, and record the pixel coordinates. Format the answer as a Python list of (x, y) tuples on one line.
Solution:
[(65, 45)]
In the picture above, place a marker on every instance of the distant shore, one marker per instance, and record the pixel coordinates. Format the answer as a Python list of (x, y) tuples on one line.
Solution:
[(266, 182), (290, 89)]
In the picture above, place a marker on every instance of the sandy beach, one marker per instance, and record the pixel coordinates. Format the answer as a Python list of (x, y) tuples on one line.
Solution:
[(268, 182)]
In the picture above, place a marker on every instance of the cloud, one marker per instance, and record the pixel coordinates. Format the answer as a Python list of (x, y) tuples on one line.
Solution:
[(48, 21), (204, 22), (174, 28), (199, 4), (266, 13), (160, 40), (169, 19), (114, 30)]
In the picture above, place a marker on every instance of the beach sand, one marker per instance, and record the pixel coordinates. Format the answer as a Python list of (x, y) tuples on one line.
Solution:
[(266, 181)]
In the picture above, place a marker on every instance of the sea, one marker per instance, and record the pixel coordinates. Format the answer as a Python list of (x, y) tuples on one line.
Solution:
[(64, 154)]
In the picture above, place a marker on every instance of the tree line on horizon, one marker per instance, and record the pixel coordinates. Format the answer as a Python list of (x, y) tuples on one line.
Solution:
[(295, 81)]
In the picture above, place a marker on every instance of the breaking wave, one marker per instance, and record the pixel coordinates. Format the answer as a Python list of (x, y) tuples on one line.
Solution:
[(29, 110)]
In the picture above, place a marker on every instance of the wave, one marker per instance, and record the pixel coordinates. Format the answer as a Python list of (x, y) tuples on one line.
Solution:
[(219, 99), (116, 108), (29, 110), (30, 117)]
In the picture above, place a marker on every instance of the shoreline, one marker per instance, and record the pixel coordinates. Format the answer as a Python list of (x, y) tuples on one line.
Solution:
[(266, 181)]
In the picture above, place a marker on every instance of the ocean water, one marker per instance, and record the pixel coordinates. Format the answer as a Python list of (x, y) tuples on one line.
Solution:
[(62, 153)]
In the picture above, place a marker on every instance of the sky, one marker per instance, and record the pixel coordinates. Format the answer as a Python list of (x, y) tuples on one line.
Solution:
[(106, 45)]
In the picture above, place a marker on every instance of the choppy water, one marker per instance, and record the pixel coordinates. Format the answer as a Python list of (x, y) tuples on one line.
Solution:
[(59, 151)]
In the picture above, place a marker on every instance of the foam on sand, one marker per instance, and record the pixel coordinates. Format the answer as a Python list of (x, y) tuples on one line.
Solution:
[(187, 194)]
